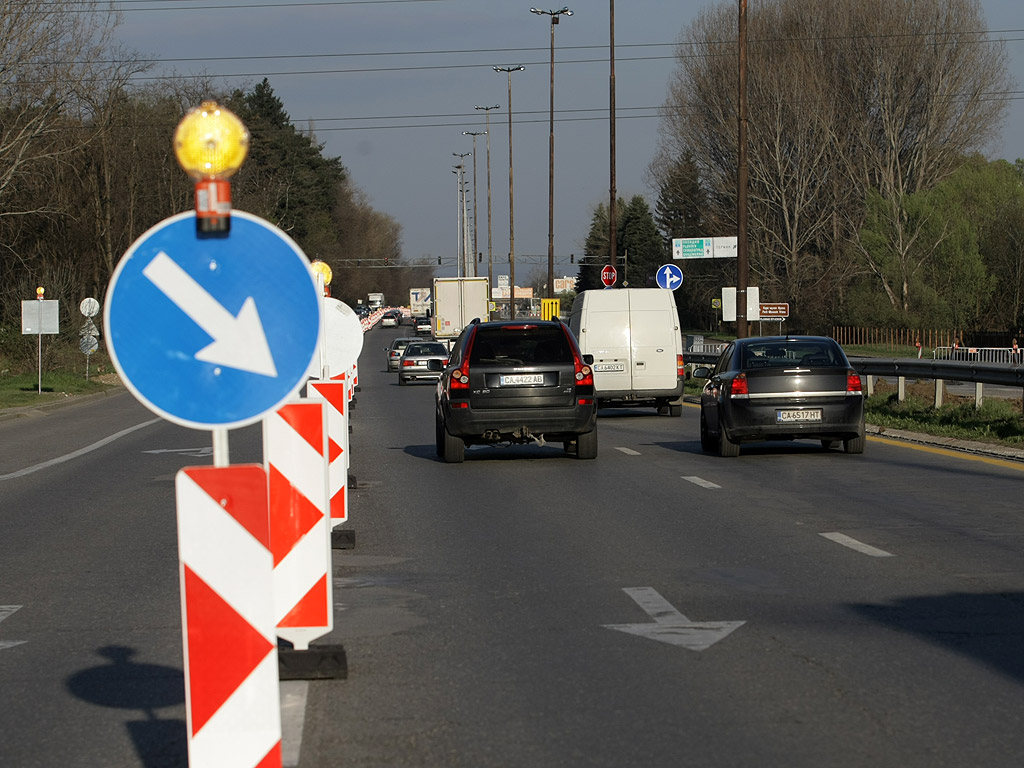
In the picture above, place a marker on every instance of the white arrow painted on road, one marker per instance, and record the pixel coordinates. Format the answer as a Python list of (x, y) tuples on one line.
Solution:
[(670, 626), (238, 341), (197, 452), (5, 611)]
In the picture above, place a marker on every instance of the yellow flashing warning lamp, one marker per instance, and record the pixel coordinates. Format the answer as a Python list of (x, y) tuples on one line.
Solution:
[(323, 270), (211, 143)]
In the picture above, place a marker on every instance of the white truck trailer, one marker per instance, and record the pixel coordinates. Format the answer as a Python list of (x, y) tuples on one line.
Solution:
[(457, 301)]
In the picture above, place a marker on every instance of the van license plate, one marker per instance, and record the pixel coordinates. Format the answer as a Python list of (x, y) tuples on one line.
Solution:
[(601, 367), (521, 379), (806, 416)]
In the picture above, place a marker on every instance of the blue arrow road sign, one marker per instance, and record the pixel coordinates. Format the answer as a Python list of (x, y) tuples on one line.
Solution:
[(213, 332), (670, 276)]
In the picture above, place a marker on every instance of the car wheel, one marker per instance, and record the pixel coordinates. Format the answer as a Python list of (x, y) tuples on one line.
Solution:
[(454, 448), (855, 444), (586, 445), (706, 443), (726, 447)]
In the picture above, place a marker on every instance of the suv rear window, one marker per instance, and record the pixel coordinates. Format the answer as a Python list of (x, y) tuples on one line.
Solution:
[(525, 345)]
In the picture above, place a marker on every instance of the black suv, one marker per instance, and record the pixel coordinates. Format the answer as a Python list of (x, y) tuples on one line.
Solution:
[(516, 381)]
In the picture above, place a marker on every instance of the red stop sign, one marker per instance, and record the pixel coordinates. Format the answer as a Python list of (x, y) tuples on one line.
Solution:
[(608, 275)]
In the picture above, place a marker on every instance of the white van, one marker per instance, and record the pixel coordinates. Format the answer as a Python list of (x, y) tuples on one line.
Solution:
[(634, 336)]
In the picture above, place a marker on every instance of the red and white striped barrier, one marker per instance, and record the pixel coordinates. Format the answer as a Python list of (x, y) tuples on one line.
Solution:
[(335, 394), (232, 697), (296, 457)]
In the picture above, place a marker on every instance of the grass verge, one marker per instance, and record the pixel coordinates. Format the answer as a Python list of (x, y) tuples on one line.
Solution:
[(22, 390)]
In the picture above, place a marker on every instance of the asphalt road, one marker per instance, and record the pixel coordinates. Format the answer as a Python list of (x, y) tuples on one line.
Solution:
[(654, 607)]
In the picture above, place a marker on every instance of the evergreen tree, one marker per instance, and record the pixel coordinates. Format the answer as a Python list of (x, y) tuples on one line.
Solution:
[(682, 202), (642, 249)]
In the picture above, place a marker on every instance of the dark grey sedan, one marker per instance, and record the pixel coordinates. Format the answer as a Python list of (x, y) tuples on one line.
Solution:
[(413, 364), (781, 388)]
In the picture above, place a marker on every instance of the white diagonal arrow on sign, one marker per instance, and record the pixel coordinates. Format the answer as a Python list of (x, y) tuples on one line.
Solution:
[(5, 611), (670, 626), (238, 341)]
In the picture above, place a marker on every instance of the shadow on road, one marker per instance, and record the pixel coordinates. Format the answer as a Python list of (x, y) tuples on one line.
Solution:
[(124, 684), (986, 627)]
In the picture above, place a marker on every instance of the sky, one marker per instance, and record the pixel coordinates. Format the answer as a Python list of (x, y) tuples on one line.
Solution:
[(389, 86)]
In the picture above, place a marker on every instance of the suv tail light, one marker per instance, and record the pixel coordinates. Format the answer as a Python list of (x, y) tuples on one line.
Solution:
[(738, 386), (853, 381)]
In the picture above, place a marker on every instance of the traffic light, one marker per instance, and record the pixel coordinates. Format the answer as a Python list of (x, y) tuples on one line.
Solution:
[(439, 261), (385, 261)]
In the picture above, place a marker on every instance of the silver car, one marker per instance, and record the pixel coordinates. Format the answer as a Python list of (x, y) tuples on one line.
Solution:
[(413, 365), (395, 350)]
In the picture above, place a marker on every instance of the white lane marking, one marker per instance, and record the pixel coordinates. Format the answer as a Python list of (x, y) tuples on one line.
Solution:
[(79, 452), (701, 482), (5, 612), (628, 451), (293, 719), (860, 546)]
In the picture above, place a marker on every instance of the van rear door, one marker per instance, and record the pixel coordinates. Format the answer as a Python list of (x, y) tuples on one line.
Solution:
[(654, 348), (608, 340)]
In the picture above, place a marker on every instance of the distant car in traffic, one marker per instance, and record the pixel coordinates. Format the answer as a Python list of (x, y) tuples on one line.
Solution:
[(414, 363), (518, 381), (423, 325), (395, 349), (781, 388), (391, 318)]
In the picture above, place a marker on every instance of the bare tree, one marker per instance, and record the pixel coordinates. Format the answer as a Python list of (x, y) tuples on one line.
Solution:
[(846, 96)]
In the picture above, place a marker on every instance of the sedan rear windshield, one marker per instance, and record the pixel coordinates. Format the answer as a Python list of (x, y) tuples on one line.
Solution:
[(781, 354), (527, 345), (425, 349)]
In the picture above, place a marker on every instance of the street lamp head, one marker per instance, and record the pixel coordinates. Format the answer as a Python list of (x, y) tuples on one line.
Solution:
[(553, 14), (518, 68), (496, 106)]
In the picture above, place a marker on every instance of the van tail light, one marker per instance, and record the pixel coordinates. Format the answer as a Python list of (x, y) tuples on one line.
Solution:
[(738, 386), (680, 367), (853, 381)]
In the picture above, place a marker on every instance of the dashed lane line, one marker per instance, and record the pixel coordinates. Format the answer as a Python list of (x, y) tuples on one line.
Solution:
[(628, 451), (859, 546), (701, 482)]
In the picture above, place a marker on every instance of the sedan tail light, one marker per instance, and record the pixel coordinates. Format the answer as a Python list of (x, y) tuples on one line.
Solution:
[(853, 381), (738, 386)]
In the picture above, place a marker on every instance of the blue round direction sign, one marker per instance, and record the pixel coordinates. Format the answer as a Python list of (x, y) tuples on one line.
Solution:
[(670, 276), (213, 332)]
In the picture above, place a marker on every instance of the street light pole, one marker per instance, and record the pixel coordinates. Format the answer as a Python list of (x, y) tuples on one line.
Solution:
[(457, 170), (490, 251), (463, 263), (476, 235), (511, 199), (612, 213), (550, 293)]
